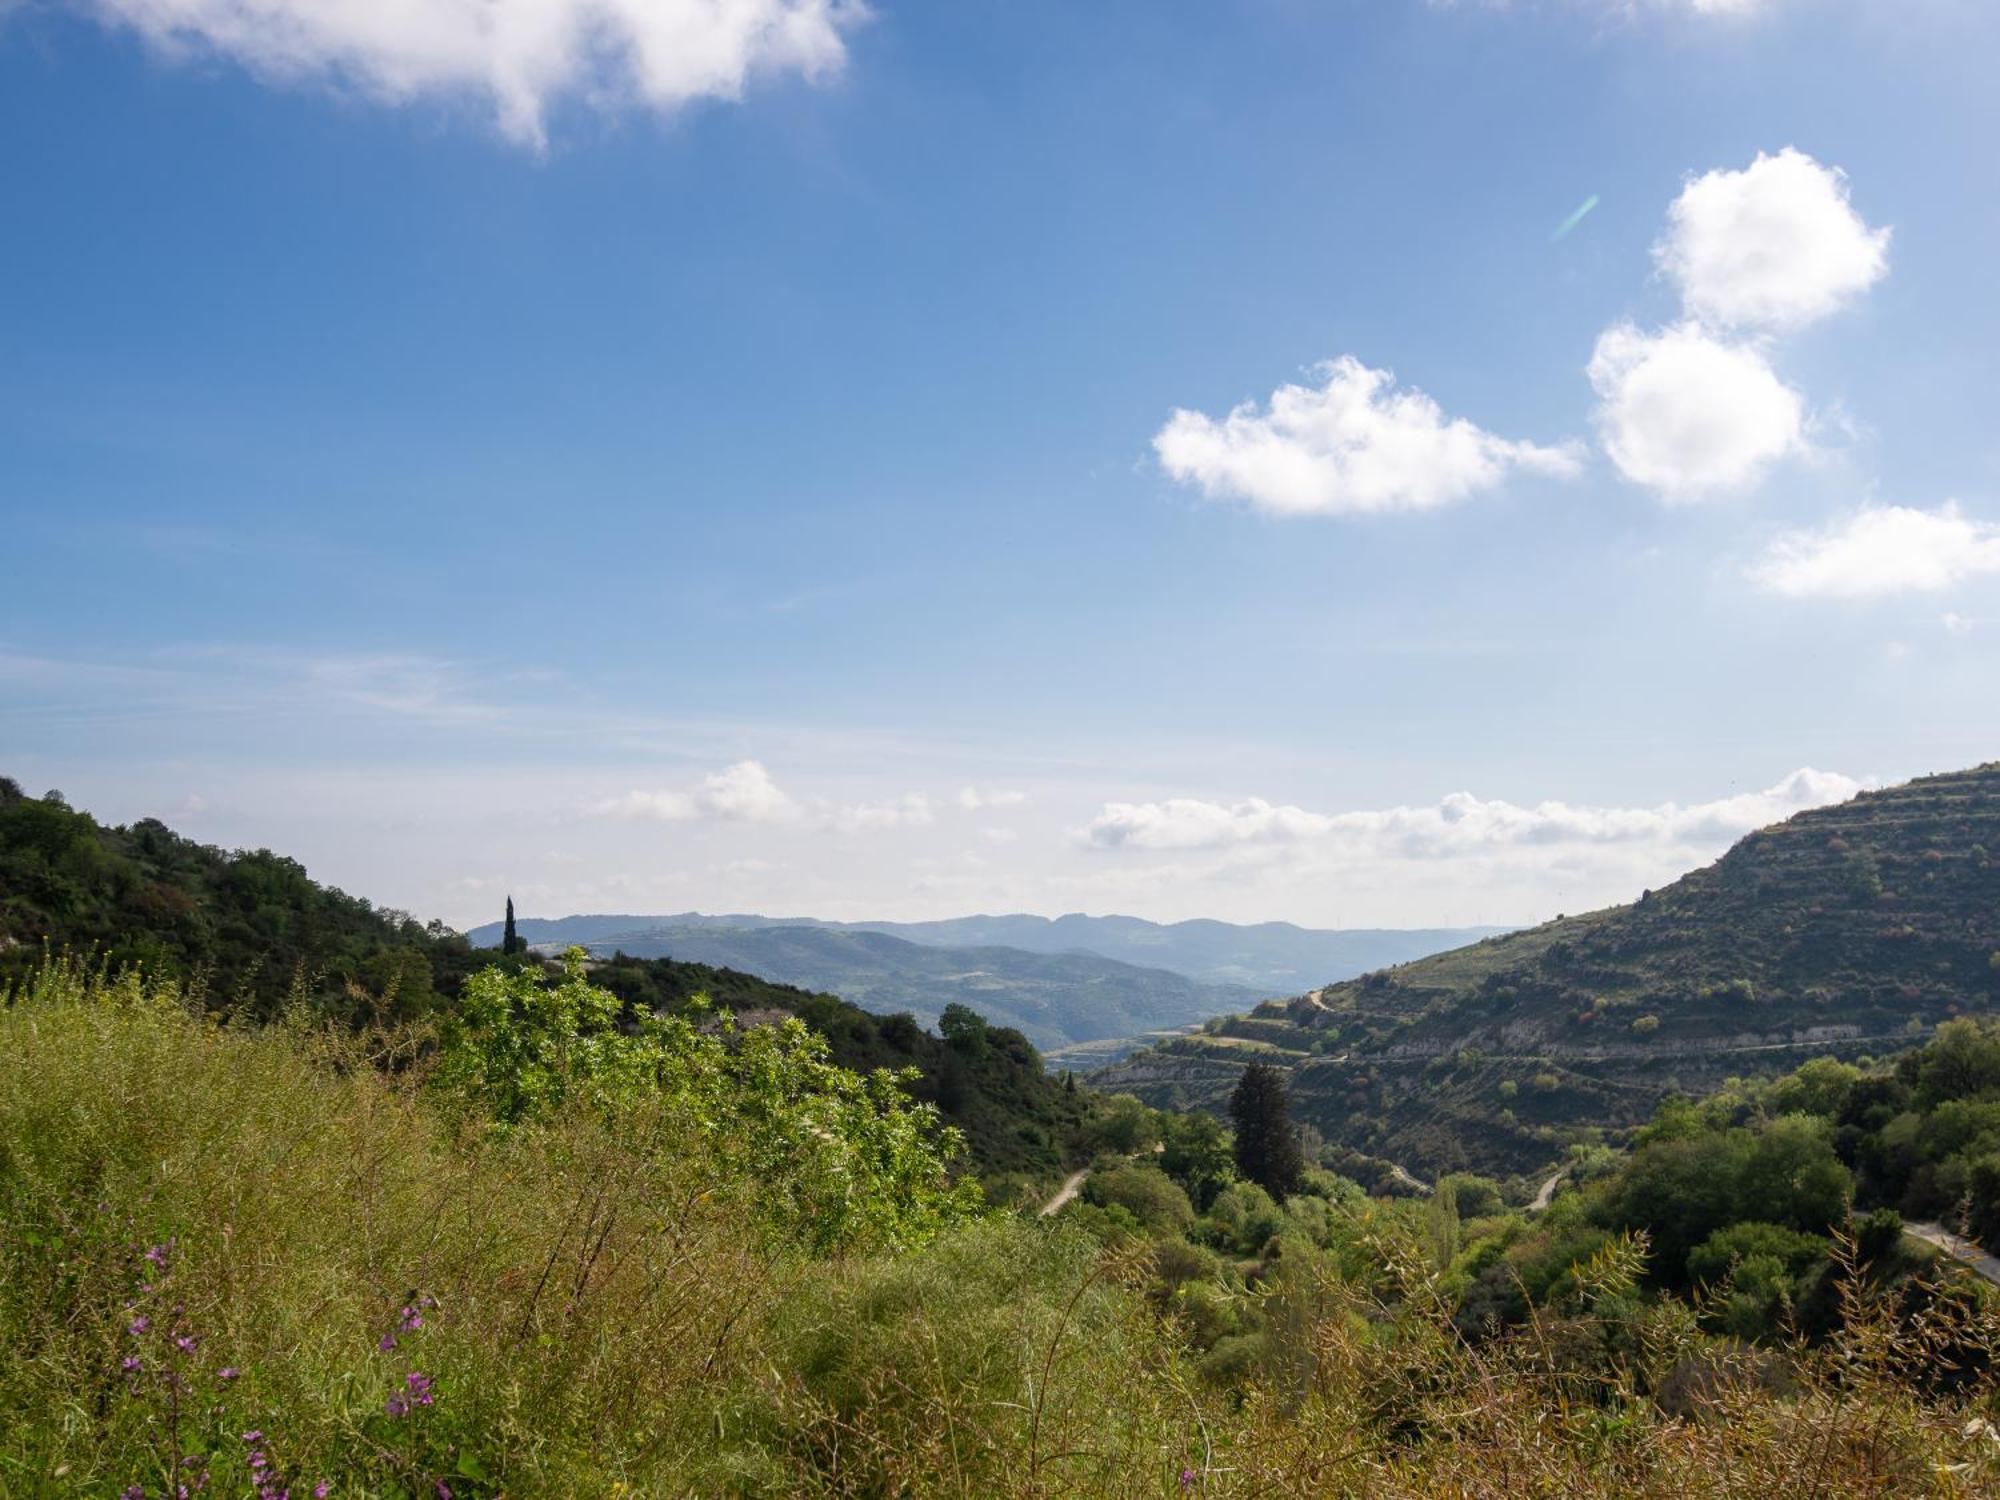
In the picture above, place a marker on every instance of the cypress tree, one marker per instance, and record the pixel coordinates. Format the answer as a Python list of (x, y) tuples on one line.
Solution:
[(511, 941), (1267, 1148)]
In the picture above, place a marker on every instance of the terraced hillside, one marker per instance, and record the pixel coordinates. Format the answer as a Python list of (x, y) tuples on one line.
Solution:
[(1849, 930)]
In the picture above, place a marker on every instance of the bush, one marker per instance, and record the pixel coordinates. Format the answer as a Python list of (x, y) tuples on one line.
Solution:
[(1153, 1199)]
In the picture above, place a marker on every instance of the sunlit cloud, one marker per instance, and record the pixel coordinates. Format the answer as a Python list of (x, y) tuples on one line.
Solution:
[(517, 59), (1351, 444)]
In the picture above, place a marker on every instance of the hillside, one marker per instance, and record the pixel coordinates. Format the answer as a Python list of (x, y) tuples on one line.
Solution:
[(1849, 930), (1054, 999), (251, 926), (1273, 958)]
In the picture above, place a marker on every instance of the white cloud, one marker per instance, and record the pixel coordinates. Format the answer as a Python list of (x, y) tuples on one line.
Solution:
[(742, 793), (973, 798), (517, 57), (1882, 549), (1461, 824), (1775, 246), (910, 811), (746, 793), (1689, 415), (1353, 444)]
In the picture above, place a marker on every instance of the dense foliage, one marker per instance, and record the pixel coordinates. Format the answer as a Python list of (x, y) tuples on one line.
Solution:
[(260, 1259), (253, 930)]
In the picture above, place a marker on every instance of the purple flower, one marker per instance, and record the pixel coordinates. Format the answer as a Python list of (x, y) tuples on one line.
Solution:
[(227, 1372), (320, 1490), (158, 1254), (1187, 1478), (258, 1461), (444, 1490), (386, 1342), (185, 1343), (133, 1492), (138, 1326), (420, 1387), (395, 1406), (129, 1364), (254, 1435)]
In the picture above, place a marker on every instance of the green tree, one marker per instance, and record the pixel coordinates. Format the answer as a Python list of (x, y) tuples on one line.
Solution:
[(1198, 1155), (839, 1160), (1267, 1148), (510, 940)]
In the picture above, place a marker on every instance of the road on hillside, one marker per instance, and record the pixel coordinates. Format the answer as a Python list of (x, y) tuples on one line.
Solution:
[(1069, 1190), (1547, 1195), (1959, 1249)]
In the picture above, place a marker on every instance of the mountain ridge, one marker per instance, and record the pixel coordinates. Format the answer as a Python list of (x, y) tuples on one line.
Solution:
[(1274, 957)]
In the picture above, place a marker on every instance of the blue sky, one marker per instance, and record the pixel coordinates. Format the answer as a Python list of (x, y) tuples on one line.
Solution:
[(739, 468)]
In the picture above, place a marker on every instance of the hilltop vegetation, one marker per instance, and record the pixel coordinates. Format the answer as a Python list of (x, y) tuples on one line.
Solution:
[(251, 931), (1850, 930), (523, 1251), (1054, 999)]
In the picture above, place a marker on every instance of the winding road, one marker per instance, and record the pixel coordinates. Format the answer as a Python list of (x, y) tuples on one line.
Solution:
[(1547, 1194), (1070, 1188), (1958, 1248)]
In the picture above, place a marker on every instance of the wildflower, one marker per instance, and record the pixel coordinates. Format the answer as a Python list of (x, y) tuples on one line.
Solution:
[(444, 1490), (133, 1492), (386, 1342), (158, 1255), (320, 1490), (185, 1343), (420, 1387), (1187, 1478), (129, 1364), (254, 1435), (139, 1325), (396, 1406), (227, 1372)]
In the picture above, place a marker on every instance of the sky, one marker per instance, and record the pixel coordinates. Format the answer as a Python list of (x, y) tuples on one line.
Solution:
[(1355, 462)]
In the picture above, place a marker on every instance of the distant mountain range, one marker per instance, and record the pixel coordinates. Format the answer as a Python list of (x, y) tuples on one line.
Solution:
[(1272, 958), (1849, 930)]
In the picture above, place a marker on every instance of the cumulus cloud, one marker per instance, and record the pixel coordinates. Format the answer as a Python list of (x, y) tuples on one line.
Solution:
[(1696, 409), (1351, 444), (516, 57), (1461, 824), (1881, 549), (1773, 247), (742, 793), (1689, 415)]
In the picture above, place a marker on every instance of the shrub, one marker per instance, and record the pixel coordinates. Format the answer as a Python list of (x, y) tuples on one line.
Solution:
[(1153, 1199)]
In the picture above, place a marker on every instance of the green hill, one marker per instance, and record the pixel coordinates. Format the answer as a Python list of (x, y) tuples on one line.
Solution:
[(1055, 999), (252, 928), (1849, 930)]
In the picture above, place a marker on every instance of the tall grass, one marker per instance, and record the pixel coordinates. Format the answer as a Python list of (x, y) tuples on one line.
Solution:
[(268, 1259)]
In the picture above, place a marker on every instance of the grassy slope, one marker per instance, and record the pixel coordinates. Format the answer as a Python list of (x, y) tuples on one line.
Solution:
[(1848, 930), (607, 1322)]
